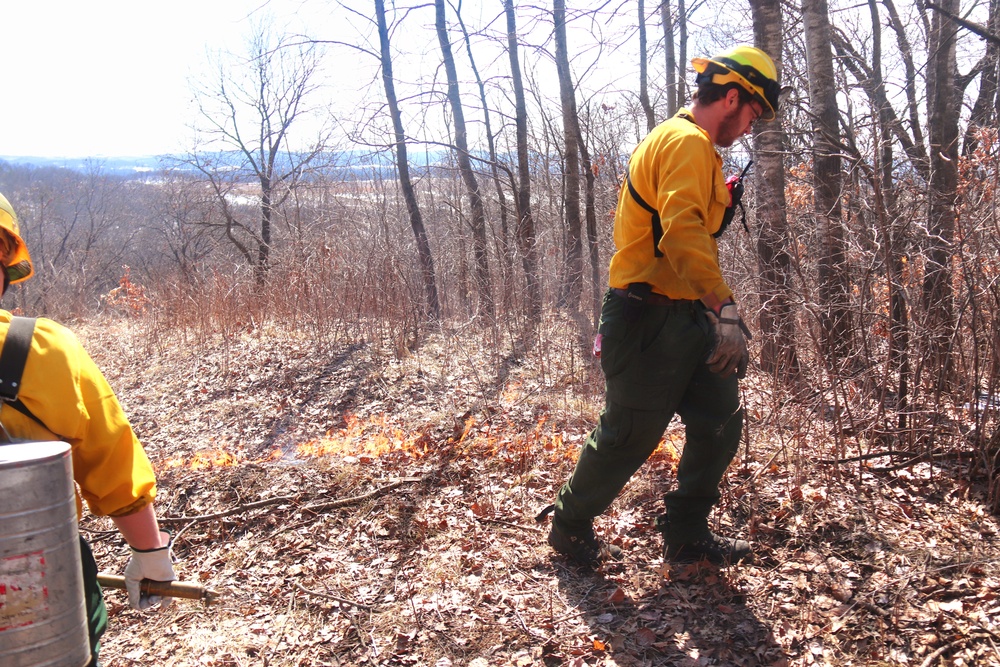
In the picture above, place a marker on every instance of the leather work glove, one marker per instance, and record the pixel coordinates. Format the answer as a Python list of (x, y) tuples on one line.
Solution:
[(729, 355), (154, 564)]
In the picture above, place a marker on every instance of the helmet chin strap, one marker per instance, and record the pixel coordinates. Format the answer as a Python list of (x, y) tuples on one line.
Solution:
[(6, 282)]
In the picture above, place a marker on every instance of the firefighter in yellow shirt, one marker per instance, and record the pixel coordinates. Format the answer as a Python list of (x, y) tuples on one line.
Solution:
[(671, 338), (64, 396)]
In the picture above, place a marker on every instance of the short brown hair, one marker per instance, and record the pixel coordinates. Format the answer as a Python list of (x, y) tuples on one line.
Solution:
[(709, 92)]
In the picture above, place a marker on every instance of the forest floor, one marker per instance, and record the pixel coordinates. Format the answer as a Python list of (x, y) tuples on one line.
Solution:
[(356, 506)]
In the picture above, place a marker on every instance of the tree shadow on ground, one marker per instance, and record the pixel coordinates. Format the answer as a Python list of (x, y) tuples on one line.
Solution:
[(644, 614), (334, 386)]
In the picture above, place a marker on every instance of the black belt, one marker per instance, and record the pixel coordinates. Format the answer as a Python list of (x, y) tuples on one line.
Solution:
[(653, 299)]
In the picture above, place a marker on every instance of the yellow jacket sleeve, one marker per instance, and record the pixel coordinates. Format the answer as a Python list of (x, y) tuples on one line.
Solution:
[(677, 170), (63, 388)]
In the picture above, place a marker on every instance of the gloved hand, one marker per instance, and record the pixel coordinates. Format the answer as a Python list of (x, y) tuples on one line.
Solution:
[(154, 564), (730, 353)]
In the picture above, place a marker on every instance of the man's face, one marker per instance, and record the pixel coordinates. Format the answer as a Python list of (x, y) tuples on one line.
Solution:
[(7, 247), (738, 121)]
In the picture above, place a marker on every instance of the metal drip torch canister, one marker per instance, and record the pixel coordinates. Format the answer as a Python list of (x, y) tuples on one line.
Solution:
[(43, 617)]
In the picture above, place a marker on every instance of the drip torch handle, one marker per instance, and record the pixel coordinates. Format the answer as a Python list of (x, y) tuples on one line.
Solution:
[(172, 589)]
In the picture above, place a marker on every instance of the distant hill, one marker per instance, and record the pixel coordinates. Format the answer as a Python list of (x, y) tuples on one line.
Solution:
[(350, 164), (122, 165)]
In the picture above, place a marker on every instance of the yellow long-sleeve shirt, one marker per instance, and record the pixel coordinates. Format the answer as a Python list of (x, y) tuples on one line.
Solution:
[(64, 388), (676, 170)]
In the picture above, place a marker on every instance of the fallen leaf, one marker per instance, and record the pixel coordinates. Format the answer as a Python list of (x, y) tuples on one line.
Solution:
[(645, 636), (953, 606), (617, 596)]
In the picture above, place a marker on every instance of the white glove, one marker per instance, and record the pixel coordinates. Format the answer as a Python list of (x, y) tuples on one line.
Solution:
[(154, 564), (730, 353)]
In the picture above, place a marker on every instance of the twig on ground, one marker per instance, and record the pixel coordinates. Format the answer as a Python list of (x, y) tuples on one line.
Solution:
[(578, 611), (866, 457), (913, 460), (931, 657), (344, 502), (875, 609), (335, 598), (96, 536), (240, 509), (524, 626), (531, 529), (945, 456), (180, 532), (285, 529), (762, 468), (575, 614), (978, 632)]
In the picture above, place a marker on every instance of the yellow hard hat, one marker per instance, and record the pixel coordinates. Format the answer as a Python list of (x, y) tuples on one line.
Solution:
[(748, 66), (17, 263)]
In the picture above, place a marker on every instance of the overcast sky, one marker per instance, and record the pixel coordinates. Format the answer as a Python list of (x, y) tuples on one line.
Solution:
[(110, 77)]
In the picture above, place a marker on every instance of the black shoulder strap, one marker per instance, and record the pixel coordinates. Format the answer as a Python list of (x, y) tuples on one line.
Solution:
[(14, 355), (688, 117), (657, 227), (12, 359)]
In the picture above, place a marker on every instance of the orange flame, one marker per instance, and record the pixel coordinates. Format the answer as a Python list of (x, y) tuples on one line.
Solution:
[(370, 439), (367, 439), (209, 458)]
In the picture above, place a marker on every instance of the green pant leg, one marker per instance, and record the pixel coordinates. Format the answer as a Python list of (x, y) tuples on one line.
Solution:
[(621, 443), (713, 420), (97, 612), (648, 364)]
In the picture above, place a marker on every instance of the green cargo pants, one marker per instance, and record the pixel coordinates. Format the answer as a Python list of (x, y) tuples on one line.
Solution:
[(654, 367), (97, 613)]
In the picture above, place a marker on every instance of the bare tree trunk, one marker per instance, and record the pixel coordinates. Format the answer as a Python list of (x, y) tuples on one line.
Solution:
[(572, 285), (906, 52), (891, 223), (593, 242), (252, 112), (912, 146), (484, 285), (506, 252), (673, 96), (827, 181), (984, 109), (777, 319), (525, 229), (682, 45), (433, 307), (643, 77), (943, 114), (264, 247), (892, 226)]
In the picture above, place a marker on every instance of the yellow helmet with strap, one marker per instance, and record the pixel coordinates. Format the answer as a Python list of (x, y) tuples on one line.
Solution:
[(747, 66), (16, 260)]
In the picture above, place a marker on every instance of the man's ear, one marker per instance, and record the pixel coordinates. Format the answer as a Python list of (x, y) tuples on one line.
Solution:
[(732, 98)]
